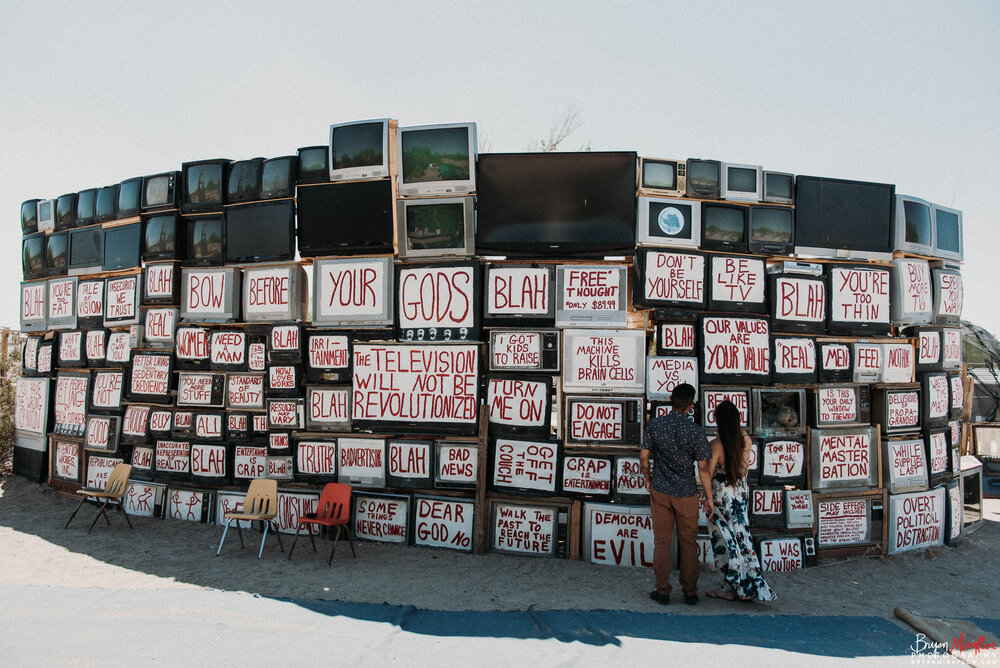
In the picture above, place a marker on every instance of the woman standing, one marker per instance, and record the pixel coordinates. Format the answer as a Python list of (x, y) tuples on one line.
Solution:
[(732, 543)]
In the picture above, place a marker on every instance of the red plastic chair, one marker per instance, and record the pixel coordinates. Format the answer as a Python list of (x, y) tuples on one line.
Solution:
[(334, 511)]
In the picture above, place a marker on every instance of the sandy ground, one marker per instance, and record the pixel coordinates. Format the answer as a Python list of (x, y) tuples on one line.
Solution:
[(163, 554)]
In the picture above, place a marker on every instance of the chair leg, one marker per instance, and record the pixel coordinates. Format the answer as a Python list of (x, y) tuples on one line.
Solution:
[(224, 532), (294, 540), (277, 534), (266, 525), (99, 513), (80, 505), (311, 539), (239, 532), (334, 548), (350, 540), (122, 508)]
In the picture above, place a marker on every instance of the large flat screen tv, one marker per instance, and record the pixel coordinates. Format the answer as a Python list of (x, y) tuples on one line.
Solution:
[(556, 204), (844, 219), (262, 231), (346, 218)]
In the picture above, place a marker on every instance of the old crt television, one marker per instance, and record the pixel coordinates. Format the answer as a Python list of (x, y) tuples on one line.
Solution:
[(662, 178), (328, 408), (724, 227), (206, 241), (437, 159), (840, 405), (603, 421), (86, 207), (411, 464), (797, 301), (203, 185), (210, 294), (566, 204), (164, 238), (912, 299), (779, 188), (669, 279), (436, 227), (277, 177), (525, 466), (704, 178), (843, 458), (743, 183), (772, 230), (858, 299), (86, 250), (243, 181), (913, 231), (359, 150), (948, 237), (160, 191), (712, 396), (315, 460), (935, 399), (259, 232), (845, 219), (275, 293), (46, 215), (106, 208), (668, 222), (897, 409), (737, 284), (520, 294), (948, 293), (130, 197), (524, 350), (779, 411), (29, 216), (33, 256), (313, 164), (56, 253), (519, 404), (346, 218), (66, 211), (123, 247)]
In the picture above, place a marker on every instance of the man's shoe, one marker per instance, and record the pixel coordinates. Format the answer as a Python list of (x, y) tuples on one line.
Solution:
[(691, 600), (662, 599)]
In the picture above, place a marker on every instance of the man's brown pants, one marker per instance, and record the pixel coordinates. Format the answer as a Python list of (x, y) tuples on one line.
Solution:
[(667, 511)]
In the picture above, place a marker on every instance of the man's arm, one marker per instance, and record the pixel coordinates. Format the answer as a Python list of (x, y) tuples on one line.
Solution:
[(644, 467), (705, 473)]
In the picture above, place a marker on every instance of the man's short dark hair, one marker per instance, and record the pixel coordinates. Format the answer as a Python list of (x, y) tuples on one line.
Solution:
[(682, 396)]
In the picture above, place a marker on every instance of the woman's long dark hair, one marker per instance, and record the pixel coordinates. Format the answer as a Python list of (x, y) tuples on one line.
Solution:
[(727, 419)]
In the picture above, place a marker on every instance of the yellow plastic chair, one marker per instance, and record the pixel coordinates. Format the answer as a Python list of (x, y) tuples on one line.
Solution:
[(113, 492), (260, 505)]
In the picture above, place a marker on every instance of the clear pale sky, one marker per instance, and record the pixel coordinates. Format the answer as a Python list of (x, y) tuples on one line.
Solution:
[(92, 93)]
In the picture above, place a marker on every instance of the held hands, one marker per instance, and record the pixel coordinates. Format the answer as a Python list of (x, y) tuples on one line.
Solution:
[(648, 478), (708, 505)]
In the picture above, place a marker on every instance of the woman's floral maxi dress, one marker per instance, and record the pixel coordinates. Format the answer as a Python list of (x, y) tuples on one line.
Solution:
[(732, 543)]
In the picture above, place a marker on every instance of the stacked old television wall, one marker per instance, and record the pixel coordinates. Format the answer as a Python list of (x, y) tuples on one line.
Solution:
[(475, 342)]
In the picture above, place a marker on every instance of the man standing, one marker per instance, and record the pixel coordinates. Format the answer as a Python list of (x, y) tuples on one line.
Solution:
[(673, 443)]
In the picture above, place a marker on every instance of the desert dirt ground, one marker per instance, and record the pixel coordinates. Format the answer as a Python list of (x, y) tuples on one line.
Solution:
[(163, 554)]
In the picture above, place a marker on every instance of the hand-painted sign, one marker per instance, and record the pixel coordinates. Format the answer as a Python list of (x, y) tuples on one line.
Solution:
[(524, 529), (444, 523), (71, 404), (916, 520), (438, 303), (518, 291), (735, 346), (525, 464), (859, 295), (844, 522), (781, 554), (673, 278), (665, 373), (618, 535), (597, 361), (121, 302), (31, 405), (381, 518), (457, 464), (586, 475)]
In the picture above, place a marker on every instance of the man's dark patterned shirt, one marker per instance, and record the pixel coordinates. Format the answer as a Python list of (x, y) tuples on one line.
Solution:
[(675, 442)]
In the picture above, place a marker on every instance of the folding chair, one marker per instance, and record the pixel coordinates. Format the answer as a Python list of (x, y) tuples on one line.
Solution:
[(334, 511), (113, 493), (260, 505)]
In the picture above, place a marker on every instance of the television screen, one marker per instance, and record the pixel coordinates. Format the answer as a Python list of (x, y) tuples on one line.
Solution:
[(838, 218), (438, 159), (704, 178), (564, 204), (33, 256), (46, 215), (86, 203), (666, 178), (913, 232), (244, 180), (107, 204), (772, 229), (741, 182), (56, 252), (260, 231), (947, 233), (436, 227), (122, 247), (779, 187), (29, 216), (724, 227), (342, 218), (66, 211), (206, 241), (86, 248), (203, 185), (668, 222), (163, 238), (129, 197), (277, 177), (359, 150), (313, 164), (159, 191)]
